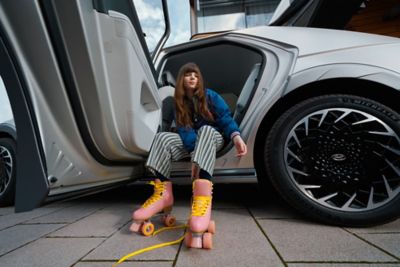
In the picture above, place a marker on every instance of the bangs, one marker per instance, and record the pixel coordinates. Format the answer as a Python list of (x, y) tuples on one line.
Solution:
[(190, 67)]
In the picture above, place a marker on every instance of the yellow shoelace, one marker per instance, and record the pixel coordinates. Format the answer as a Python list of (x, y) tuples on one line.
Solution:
[(200, 205), (140, 251), (158, 190)]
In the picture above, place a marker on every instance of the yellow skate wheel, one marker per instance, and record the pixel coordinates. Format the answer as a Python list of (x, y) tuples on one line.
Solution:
[(211, 227), (147, 229), (169, 220)]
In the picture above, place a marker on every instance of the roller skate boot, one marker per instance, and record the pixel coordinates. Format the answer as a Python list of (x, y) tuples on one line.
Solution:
[(159, 204), (201, 228)]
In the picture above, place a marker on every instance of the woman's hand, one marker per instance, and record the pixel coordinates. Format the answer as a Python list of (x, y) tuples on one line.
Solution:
[(240, 146)]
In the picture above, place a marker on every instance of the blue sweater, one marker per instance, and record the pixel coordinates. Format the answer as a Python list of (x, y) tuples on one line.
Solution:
[(223, 121)]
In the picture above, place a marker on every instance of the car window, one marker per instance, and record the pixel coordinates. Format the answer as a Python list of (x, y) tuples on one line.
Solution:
[(5, 107), (151, 17)]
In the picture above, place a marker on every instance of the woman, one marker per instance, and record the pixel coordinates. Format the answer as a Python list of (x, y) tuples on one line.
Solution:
[(203, 121)]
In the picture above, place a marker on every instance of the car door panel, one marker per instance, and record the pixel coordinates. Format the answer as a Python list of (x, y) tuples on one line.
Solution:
[(134, 102), (111, 72)]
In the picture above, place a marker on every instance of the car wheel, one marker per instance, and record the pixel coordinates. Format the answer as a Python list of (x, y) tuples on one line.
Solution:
[(7, 171), (336, 158)]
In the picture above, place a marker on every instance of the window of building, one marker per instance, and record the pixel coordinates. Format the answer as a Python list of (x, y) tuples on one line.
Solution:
[(225, 15)]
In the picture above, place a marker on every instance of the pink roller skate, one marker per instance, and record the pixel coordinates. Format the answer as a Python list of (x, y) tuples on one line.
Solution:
[(160, 203), (201, 227)]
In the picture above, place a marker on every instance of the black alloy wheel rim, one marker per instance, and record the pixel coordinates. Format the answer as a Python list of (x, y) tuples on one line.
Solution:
[(344, 159), (6, 165)]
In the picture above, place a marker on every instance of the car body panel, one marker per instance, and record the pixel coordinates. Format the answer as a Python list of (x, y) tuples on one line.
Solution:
[(331, 71), (315, 41)]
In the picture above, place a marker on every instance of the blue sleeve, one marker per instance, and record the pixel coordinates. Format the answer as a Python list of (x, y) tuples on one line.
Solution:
[(188, 136), (222, 115)]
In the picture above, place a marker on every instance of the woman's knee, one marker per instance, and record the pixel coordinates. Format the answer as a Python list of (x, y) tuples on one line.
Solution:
[(165, 139), (161, 136), (206, 129)]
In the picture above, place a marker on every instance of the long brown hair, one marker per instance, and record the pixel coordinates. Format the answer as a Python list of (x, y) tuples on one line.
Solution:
[(183, 112)]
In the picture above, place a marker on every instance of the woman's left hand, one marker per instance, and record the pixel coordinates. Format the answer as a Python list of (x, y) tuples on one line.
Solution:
[(240, 146)]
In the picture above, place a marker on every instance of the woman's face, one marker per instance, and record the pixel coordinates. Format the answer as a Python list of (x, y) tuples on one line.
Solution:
[(190, 81)]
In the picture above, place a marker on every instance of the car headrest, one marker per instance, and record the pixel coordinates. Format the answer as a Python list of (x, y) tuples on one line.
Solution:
[(167, 79)]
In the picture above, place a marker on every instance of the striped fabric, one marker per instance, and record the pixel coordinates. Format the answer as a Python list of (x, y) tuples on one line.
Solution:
[(168, 147)]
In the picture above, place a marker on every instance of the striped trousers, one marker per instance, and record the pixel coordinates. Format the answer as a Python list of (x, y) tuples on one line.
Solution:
[(168, 147)]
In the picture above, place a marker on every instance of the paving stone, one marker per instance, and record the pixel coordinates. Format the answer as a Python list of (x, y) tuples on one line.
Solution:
[(102, 223), (50, 252), (389, 242), (124, 242), (67, 215), (272, 210), (16, 236), (304, 241), (392, 227), (125, 264), (224, 200), (238, 242), (17, 218), (6, 210)]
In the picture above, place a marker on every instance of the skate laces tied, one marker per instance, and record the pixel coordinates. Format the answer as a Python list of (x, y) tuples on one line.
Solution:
[(158, 190), (200, 205)]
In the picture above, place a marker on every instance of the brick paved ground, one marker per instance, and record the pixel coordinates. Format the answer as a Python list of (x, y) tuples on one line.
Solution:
[(251, 231)]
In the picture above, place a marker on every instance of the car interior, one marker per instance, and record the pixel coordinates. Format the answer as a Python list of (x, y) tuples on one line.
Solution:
[(229, 69)]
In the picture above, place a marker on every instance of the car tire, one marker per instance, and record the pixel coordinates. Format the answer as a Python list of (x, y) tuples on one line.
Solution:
[(7, 171), (336, 159)]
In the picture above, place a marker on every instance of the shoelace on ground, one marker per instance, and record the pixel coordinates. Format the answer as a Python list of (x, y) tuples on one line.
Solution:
[(140, 251)]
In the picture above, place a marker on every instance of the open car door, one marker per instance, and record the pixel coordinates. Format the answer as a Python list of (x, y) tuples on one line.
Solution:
[(107, 79)]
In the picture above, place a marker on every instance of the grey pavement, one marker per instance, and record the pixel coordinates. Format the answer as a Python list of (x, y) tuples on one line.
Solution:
[(251, 230)]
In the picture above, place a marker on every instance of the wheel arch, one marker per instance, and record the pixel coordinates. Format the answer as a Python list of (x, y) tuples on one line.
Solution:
[(373, 90), (6, 135), (7, 131)]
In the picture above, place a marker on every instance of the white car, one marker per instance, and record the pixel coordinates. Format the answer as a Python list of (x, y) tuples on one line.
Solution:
[(317, 108)]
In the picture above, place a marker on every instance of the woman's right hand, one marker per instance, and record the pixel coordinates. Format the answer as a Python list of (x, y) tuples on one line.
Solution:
[(240, 145)]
